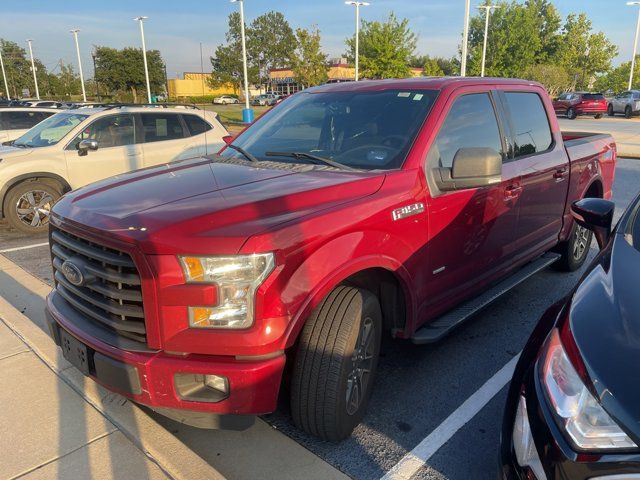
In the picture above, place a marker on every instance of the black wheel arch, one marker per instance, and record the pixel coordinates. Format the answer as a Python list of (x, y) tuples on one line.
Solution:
[(47, 177)]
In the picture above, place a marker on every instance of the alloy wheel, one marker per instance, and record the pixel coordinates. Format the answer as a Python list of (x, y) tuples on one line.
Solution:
[(361, 366), (34, 207), (582, 237)]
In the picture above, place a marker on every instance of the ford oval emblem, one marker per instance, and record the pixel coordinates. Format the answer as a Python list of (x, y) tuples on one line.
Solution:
[(72, 273)]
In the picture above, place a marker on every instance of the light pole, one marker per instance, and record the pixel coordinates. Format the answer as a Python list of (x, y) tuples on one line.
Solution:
[(465, 39), (635, 45), (487, 11), (247, 112), (75, 36), (33, 69), (4, 75), (141, 20), (357, 4)]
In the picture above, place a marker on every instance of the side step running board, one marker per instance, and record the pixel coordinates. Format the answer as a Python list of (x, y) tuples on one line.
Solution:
[(440, 327)]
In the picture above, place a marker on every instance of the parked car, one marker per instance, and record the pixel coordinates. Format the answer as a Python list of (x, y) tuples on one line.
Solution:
[(47, 104), (573, 404), (225, 100), (573, 104), (626, 102), (15, 121), (76, 147), (266, 99), (353, 209)]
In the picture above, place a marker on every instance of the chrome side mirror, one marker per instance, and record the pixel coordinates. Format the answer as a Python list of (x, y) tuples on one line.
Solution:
[(472, 168), (85, 145)]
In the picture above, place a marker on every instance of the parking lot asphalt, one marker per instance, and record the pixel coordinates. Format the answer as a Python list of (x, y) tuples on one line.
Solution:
[(417, 387)]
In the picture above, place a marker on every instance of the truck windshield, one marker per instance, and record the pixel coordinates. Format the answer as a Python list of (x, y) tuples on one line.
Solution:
[(366, 129), (50, 131)]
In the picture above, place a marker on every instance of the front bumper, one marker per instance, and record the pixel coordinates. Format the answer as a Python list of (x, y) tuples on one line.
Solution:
[(147, 377), (556, 457)]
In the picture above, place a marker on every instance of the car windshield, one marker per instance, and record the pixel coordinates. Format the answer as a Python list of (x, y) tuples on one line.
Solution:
[(365, 129), (50, 131)]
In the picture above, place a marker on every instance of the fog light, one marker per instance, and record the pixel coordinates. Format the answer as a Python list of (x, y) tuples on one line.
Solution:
[(195, 387), (523, 444)]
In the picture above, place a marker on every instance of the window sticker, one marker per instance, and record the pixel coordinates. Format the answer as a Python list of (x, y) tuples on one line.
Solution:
[(404, 94), (161, 127), (418, 96)]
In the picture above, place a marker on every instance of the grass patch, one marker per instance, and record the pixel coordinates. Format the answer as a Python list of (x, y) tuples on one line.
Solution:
[(232, 114)]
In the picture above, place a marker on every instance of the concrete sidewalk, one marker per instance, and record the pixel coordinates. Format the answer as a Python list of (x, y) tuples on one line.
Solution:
[(50, 431), (625, 132), (57, 423)]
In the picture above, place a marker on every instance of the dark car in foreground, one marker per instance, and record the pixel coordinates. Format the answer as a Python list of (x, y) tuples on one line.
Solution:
[(573, 104), (573, 408)]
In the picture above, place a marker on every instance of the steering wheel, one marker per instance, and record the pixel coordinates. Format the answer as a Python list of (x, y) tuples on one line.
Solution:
[(361, 151), (395, 141)]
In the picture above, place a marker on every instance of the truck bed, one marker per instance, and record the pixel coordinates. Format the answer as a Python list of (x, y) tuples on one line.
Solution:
[(580, 145)]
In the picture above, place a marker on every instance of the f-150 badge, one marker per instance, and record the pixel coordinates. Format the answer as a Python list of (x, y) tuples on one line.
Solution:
[(407, 211)]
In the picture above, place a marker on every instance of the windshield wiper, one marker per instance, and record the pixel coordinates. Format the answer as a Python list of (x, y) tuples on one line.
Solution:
[(246, 154), (310, 156)]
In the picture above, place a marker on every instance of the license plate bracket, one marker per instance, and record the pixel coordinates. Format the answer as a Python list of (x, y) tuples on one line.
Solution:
[(76, 352)]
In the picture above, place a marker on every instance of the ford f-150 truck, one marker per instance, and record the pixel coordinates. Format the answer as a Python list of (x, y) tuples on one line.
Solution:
[(207, 287)]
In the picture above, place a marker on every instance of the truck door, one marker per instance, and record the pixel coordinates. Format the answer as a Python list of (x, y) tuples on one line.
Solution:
[(544, 169), (472, 231), (118, 150)]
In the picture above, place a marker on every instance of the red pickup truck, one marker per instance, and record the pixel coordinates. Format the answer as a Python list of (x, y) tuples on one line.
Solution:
[(205, 288)]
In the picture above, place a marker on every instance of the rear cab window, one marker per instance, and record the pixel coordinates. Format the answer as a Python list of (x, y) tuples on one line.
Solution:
[(531, 132), (159, 127)]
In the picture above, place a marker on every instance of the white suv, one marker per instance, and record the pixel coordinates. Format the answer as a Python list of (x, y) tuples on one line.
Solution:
[(15, 121), (76, 147)]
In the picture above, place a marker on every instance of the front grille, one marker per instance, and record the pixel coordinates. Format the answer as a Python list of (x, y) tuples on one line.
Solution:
[(110, 294)]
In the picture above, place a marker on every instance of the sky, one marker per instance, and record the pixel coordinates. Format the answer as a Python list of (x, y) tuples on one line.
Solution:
[(177, 28)]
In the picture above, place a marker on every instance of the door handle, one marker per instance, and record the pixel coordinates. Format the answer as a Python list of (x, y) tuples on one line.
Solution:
[(512, 192), (560, 174)]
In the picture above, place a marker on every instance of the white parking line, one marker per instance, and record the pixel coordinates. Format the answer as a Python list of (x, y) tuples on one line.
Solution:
[(417, 457), (26, 247)]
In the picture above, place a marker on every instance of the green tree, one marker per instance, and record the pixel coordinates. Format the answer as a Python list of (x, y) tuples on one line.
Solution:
[(308, 62), (18, 68), (123, 70), (269, 43), (554, 77), (617, 79), (385, 48), (432, 68), (64, 83), (584, 54)]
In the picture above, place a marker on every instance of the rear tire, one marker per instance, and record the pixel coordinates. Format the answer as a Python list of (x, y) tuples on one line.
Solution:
[(575, 250), (571, 114), (628, 112), (335, 363), (610, 111), (598, 116), (28, 206)]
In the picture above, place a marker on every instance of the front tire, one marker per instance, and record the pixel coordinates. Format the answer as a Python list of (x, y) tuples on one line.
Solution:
[(571, 114), (335, 363), (598, 116), (628, 112), (28, 206), (575, 250)]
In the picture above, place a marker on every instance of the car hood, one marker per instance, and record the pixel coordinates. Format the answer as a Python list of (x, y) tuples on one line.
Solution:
[(207, 205), (605, 321), (8, 152)]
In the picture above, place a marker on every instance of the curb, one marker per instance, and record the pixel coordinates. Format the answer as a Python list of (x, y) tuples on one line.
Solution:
[(169, 453)]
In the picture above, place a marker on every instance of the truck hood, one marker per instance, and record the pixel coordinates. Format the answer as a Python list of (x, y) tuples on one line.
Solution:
[(207, 205)]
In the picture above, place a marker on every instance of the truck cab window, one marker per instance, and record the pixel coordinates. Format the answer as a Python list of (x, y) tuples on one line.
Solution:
[(532, 131), (470, 123)]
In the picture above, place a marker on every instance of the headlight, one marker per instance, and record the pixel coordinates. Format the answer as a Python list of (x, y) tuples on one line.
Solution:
[(582, 417), (237, 278)]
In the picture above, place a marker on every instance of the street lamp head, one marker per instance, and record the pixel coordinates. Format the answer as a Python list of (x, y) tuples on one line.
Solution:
[(236, 1), (140, 18), (633, 3), (75, 30), (357, 4), (29, 40)]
